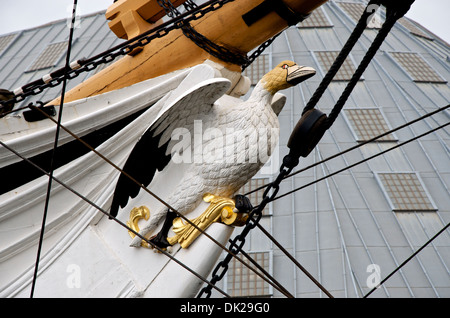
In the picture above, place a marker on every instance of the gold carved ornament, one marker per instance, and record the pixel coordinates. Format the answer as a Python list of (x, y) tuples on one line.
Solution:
[(219, 210)]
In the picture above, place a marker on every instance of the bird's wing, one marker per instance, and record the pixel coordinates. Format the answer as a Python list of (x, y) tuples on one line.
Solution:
[(278, 102), (151, 150)]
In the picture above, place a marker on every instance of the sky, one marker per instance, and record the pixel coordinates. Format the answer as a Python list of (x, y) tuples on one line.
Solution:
[(18, 15)]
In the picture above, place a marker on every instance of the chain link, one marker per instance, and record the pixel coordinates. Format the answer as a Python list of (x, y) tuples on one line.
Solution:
[(86, 65), (179, 21), (238, 242), (258, 52), (201, 41)]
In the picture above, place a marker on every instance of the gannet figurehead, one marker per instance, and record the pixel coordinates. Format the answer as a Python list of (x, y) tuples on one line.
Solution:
[(286, 74)]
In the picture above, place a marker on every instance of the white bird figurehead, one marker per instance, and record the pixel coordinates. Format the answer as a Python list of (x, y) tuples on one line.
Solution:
[(286, 74), (247, 133)]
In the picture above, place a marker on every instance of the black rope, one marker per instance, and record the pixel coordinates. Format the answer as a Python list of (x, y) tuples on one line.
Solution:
[(373, 139), (333, 115), (345, 51), (55, 146), (271, 280), (311, 128), (393, 14), (362, 161), (211, 282)]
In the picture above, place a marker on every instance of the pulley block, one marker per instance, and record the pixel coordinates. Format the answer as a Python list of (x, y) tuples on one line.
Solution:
[(306, 135)]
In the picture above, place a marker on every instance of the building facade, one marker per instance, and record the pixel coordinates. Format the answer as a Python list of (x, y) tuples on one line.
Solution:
[(352, 229)]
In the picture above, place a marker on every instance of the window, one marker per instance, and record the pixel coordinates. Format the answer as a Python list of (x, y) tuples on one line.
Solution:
[(417, 67), (5, 41), (255, 197), (317, 19), (411, 27), (405, 192), (368, 123), (257, 69), (244, 282), (49, 57), (326, 59), (355, 11)]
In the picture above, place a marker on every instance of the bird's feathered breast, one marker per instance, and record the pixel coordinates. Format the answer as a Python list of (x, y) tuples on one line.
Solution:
[(151, 152)]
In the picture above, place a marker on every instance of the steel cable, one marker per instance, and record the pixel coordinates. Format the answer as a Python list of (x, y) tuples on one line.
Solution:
[(107, 214), (272, 281), (55, 147), (333, 115)]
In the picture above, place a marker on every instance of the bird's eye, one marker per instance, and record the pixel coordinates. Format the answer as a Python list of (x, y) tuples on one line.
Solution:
[(285, 66)]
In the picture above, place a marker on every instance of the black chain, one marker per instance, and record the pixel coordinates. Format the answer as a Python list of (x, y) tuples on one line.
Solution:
[(86, 65), (212, 48), (252, 221), (291, 160), (201, 41), (168, 7), (259, 51), (179, 21)]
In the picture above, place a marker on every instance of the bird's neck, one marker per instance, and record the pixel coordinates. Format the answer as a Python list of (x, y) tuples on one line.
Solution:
[(260, 95)]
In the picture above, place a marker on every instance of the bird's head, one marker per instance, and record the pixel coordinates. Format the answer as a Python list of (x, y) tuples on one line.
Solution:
[(285, 75)]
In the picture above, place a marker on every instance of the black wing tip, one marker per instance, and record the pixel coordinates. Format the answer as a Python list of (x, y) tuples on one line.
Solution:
[(114, 210)]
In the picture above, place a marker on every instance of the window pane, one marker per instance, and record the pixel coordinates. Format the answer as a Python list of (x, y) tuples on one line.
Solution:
[(417, 68), (5, 40), (326, 59), (368, 123), (257, 69), (317, 19), (243, 282), (405, 192), (413, 28), (355, 11), (49, 57)]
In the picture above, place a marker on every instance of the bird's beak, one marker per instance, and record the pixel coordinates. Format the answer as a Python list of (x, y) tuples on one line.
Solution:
[(297, 74)]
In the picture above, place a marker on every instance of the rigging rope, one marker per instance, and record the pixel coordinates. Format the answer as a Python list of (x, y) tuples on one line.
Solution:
[(109, 215), (393, 12), (357, 146), (64, 81), (284, 172), (170, 256), (55, 146), (363, 160), (83, 65), (407, 260), (77, 67), (312, 125), (274, 283), (345, 51)]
